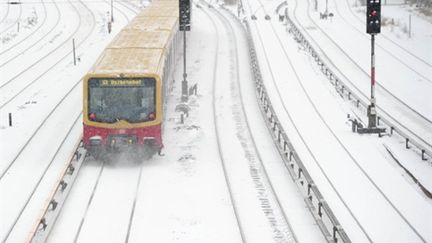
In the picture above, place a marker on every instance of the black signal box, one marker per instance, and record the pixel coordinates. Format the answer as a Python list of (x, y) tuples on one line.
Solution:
[(373, 16), (184, 15)]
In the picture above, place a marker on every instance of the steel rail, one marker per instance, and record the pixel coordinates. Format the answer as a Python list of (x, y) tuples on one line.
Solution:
[(77, 234), (266, 177), (342, 145), (390, 39), (391, 122), (32, 33), (16, 21), (55, 201), (51, 160), (5, 14), (2, 173), (322, 213), (45, 56), (360, 68), (217, 132)]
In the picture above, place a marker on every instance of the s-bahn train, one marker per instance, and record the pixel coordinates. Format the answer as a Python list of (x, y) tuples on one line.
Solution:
[(124, 91)]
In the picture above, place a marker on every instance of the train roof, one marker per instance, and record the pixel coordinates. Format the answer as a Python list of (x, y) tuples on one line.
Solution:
[(140, 39), (140, 47), (130, 61), (147, 23)]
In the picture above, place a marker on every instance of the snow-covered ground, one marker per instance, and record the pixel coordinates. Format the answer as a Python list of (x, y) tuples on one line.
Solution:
[(184, 196)]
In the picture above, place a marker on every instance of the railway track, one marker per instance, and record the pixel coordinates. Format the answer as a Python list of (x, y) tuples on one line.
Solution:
[(26, 47), (332, 137), (68, 92), (25, 204), (410, 53), (21, 206), (412, 124), (46, 62), (14, 23), (74, 87), (365, 73), (5, 14), (269, 201)]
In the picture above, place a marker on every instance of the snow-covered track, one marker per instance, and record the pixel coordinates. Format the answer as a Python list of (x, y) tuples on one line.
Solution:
[(116, 184), (361, 20), (5, 14), (269, 201), (24, 40), (31, 183), (38, 129), (364, 72), (324, 216), (343, 155), (227, 180), (45, 60), (418, 137), (55, 201), (129, 6), (17, 19), (400, 59)]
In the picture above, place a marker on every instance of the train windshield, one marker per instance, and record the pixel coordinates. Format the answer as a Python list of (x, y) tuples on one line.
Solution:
[(129, 99)]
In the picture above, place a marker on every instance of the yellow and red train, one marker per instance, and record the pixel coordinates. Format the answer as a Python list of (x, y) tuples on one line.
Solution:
[(123, 93)]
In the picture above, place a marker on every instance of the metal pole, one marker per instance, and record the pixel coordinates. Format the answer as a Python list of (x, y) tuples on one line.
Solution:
[(373, 69), (184, 97), (326, 11), (112, 14), (409, 28), (10, 119), (73, 46), (371, 108), (18, 26)]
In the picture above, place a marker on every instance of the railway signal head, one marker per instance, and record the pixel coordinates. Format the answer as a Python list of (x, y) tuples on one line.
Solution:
[(373, 16), (184, 14)]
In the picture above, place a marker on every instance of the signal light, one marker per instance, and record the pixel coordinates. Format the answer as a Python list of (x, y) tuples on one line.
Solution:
[(184, 15), (373, 16)]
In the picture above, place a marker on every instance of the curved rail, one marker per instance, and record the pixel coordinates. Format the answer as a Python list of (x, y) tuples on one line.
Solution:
[(215, 121), (55, 201), (32, 33), (345, 91), (17, 19), (326, 220), (260, 164), (390, 39), (426, 119)]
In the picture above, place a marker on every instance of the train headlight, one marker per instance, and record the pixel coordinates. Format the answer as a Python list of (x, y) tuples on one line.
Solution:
[(95, 140), (152, 116)]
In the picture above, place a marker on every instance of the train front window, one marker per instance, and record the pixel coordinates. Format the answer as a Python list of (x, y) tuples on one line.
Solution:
[(112, 100)]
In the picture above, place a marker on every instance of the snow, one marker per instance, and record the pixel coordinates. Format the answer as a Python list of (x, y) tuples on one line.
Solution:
[(183, 196)]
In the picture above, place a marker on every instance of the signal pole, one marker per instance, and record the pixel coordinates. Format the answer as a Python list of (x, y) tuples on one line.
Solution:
[(371, 112), (184, 97), (373, 27), (184, 25)]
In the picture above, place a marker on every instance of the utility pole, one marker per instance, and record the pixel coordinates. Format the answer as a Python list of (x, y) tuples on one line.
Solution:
[(73, 47), (112, 14), (409, 26)]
